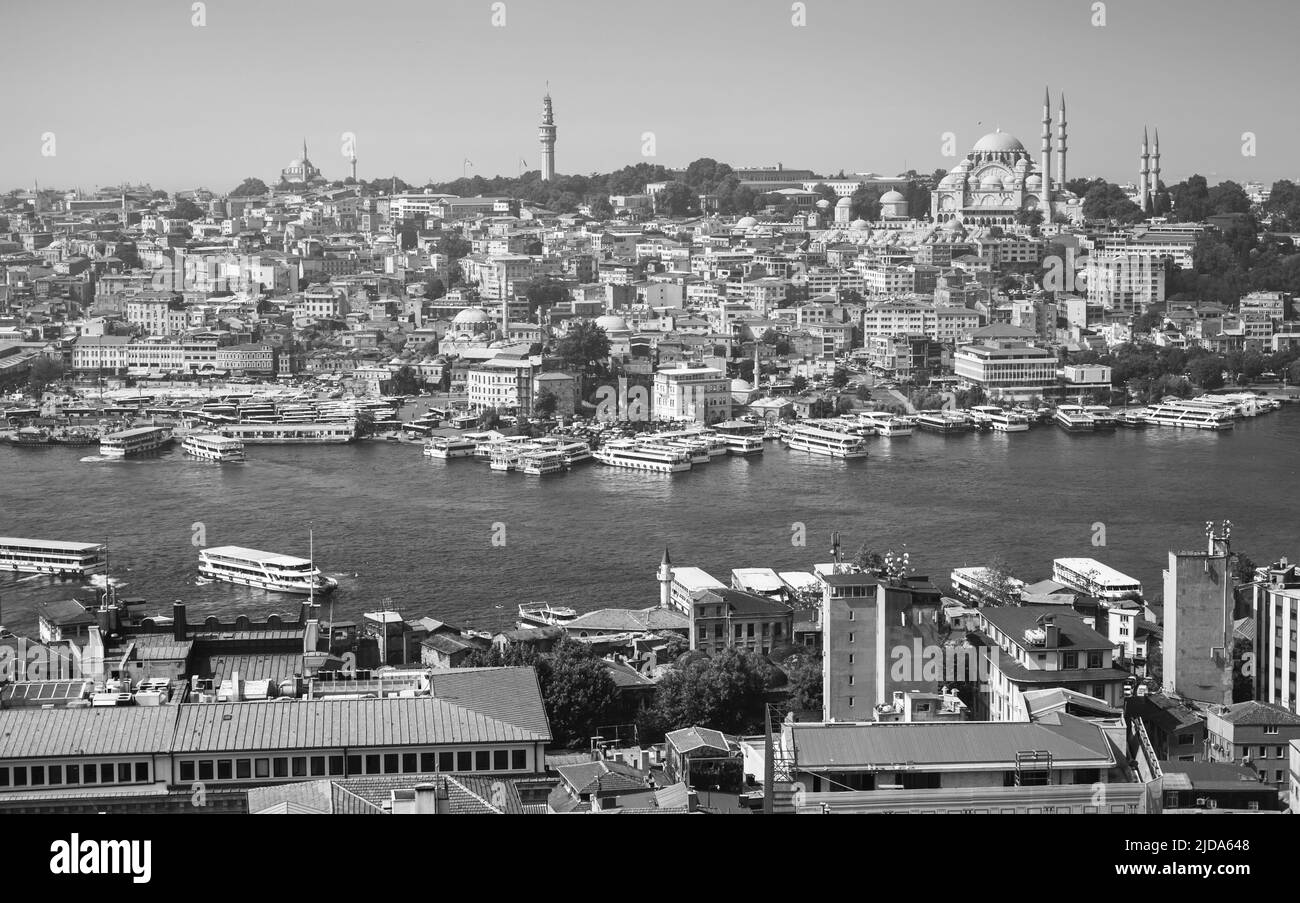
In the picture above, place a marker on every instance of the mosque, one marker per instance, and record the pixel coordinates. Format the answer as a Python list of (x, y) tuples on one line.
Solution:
[(998, 180), (301, 172)]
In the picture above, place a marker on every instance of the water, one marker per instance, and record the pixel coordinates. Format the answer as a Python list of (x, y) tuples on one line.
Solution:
[(398, 529)]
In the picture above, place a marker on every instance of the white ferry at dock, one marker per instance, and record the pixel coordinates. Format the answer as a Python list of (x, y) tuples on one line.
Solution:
[(212, 447), (263, 570), (818, 440), (1001, 420), (643, 456), (1074, 418), (449, 447), (885, 424), (1190, 415), (47, 556), (134, 442)]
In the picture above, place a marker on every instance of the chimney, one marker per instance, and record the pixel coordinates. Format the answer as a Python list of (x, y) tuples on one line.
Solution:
[(236, 691), (92, 657), (178, 621), (1053, 633), (311, 636), (426, 799)]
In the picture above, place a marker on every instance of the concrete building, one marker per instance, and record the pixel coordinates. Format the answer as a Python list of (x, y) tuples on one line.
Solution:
[(1257, 734), (693, 393), (1275, 606), (724, 618), (1198, 616)]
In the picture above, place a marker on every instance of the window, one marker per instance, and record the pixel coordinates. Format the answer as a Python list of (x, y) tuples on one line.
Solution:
[(850, 658), (1184, 739), (482, 760), (243, 768), (464, 760), (390, 763), (850, 702), (850, 680), (300, 766), (336, 765), (776, 631), (224, 772), (56, 774), (262, 768), (500, 760), (1270, 728), (518, 759), (1279, 752), (20, 776), (1094, 659), (38, 775), (852, 615), (187, 771), (428, 761), (717, 631), (850, 636), (106, 773), (317, 766), (410, 763), (445, 761), (372, 765), (1071, 660), (281, 767), (205, 770), (74, 773), (1263, 752)]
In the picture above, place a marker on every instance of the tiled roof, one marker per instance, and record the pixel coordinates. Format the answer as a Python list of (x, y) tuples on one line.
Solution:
[(1014, 620), (1253, 712), (601, 777), (690, 739)]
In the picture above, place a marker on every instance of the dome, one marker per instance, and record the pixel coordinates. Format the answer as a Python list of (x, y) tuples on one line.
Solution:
[(1035, 181), (998, 142), (739, 385), (1009, 182), (611, 323), (991, 180), (823, 203), (844, 203), (892, 197), (952, 180), (859, 225), (746, 222), (294, 163), (471, 315)]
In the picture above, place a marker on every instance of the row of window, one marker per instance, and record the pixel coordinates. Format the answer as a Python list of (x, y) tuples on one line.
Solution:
[(270, 767), (81, 774)]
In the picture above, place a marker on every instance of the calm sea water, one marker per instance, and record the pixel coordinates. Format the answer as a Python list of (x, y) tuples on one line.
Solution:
[(398, 529)]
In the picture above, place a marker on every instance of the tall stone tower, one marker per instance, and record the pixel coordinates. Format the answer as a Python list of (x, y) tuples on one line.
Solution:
[(546, 135), (1198, 617), (665, 577), (1046, 157), (1144, 187), (1060, 144), (1154, 184)]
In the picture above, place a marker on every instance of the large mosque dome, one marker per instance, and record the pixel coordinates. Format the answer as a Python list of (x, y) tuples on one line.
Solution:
[(611, 323), (470, 316), (997, 142)]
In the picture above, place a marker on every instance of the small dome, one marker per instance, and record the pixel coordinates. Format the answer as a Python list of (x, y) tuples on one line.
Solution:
[(739, 385), (471, 315), (952, 180), (612, 323), (892, 197), (859, 225), (746, 222), (998, 142), (991, 180), (1034, 182), (844, 203), (823, 203)]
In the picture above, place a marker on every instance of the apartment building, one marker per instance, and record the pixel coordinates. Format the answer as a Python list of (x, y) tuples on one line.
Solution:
[(725, 618)]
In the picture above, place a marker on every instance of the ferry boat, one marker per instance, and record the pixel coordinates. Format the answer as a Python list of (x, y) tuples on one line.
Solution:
[(45, 556), (1102, 416), (739, 437), (820, 441), (575, 453), (696, 451), (77, 436), (1189, 415), (643, 456), (544, 614), (33, 437), (263, 570), (289, 432), (212, 447), (449, 447), (885, 424), (542, 462), (1001, 420), (945, 422), (505, 458), (1075, 419), (1132, 420), (140, 441)]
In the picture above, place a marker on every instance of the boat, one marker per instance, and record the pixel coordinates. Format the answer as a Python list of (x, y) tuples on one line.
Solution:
[(696, 451), (1190, 415), (1102, 416), (1131, 420), (139, 441), (212, 447), (263, 570), (575, 452), (1001, 420), (885, 424), (45, 556), (1074, 418), (544, 614), (944, 422), (76, 436), (739, 437), (643, 456), (818, 440), (449, 447), (291, 432), (542, 462), (504, 458), (31, 437)]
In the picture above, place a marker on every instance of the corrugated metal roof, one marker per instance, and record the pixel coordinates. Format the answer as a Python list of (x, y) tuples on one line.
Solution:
[(108, 731)]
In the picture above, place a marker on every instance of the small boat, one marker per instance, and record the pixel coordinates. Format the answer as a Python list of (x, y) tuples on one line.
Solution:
[(211, 447), (544, 614), (33, 436), (542, 462)]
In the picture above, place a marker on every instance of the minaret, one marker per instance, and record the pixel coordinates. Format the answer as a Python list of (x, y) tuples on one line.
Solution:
[(665, 577), (36, 200), (125, 213), (1155, 168), (546, 135), (353, 165), (1144, 196), (1060, 144), (1045, 203)]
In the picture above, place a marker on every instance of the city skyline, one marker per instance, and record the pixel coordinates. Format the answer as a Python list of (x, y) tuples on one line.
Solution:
[(816, 96)]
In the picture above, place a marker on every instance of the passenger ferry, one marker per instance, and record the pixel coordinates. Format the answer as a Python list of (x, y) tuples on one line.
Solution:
[(1189, 414), (140, 441), (212, 447), (643, 456), (885, 424), (544, 614), (291, 433), (574, 453), (542, 462), (449, 447), (1132, 420), (946, 422), (1002, 421), (1075, 419), (46, 556), (1102, 417), (820, 441), (263, 570), (505, 458), (739, 437), (696, 449)]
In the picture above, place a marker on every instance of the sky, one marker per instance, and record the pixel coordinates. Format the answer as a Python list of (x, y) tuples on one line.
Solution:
[(134, 90)]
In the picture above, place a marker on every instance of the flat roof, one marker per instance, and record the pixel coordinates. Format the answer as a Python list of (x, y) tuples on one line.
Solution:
[(253, 555), (52, 544), (695, 578), (1103, 573)]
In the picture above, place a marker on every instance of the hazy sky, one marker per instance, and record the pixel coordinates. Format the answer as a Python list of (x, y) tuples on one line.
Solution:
[(133, 90)]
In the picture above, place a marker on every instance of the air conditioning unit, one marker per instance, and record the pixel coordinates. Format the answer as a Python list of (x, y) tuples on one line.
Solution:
[(1200, 801)]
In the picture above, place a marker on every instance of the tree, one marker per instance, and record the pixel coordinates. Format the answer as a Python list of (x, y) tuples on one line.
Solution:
[(840, 378), (727, 693), (434, 289), (44, 372), (865, 204), (674, 199), (250, 187), (1002, 586), (1106, 200), (601, 208), (545, 403), (406, 382), (1207, 372), (544, 294), (781, 348), (800, 383), (186, 209), (805, 675), (584, 346)]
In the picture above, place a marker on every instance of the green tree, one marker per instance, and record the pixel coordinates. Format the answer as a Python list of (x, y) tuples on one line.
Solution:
[(800, 383), (727, 692), (840, 378), (545, 403), (434, 289), (805, 676), (544, 294), (674, 199), (45, 372), (1003, 589), (868, 559), (186, 209), (406, 382), (584, 346), (250, 187)]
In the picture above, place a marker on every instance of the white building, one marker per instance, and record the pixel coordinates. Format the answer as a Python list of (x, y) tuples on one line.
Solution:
[(686, 392), (1088, 575)]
